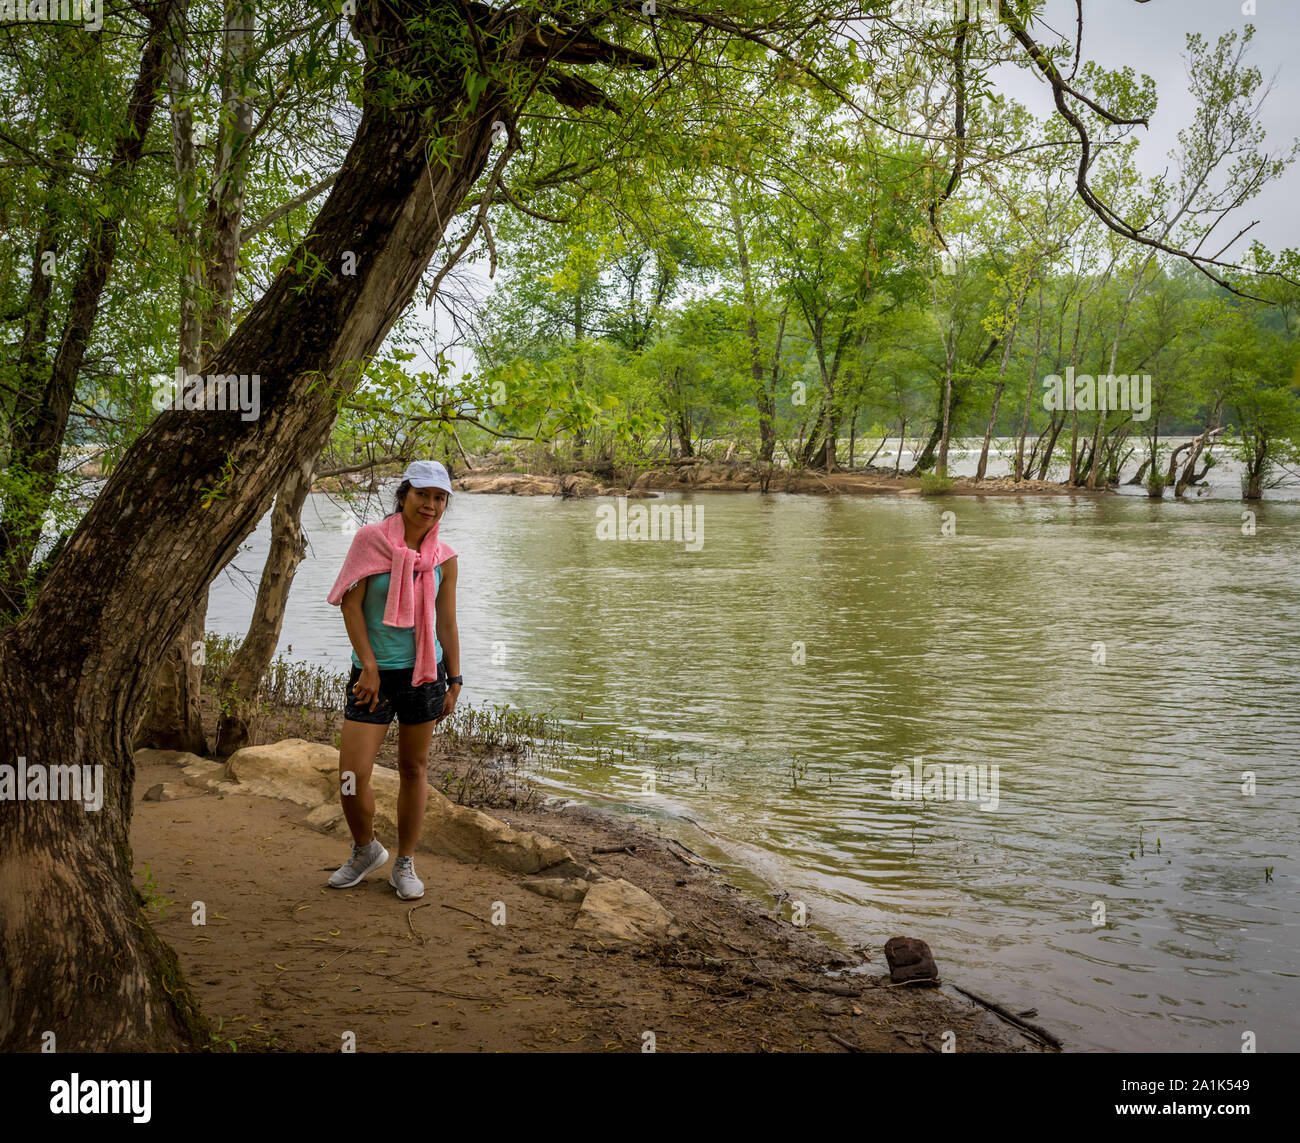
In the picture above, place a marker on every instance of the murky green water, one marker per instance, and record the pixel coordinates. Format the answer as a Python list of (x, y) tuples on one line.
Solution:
[(1119, 784)]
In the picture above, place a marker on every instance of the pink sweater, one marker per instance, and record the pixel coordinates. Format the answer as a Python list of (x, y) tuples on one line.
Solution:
[(381, 547)]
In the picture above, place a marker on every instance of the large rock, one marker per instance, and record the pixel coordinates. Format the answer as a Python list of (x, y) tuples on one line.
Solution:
[(514, 483), (295, 770), (308, 773), (619, 911), (465, 833), (910, 961)]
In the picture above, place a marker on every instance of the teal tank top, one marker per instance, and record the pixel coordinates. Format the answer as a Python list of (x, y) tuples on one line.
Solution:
[(394, 647)]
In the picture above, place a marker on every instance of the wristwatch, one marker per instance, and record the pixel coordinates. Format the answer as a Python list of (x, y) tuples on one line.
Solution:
[(455, 679)]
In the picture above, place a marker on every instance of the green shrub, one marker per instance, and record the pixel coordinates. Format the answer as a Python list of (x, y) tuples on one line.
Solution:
[(932, 484)]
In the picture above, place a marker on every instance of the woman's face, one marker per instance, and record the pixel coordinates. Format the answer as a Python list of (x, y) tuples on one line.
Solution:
[(422, 508)]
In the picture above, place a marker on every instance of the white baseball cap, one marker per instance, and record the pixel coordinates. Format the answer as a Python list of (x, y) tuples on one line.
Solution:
[(428, 474)]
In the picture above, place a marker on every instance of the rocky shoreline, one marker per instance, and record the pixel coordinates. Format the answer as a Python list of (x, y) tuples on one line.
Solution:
[(707, 476)]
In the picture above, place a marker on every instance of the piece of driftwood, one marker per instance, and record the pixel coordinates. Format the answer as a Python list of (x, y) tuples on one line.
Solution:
[(693, 858), (615, 849), (997, 1009)]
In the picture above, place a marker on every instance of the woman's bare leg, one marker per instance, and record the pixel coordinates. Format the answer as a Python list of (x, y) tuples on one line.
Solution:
[(359, 742), (413, 785)]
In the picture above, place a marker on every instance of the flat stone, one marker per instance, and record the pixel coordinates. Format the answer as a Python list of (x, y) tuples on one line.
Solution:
[(616, 910), (575, 869), (325, 818), (295, 770), (571, 889), (171, 792), (204, 774)]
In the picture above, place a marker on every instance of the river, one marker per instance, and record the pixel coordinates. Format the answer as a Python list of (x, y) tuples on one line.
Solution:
[(1125, 671)]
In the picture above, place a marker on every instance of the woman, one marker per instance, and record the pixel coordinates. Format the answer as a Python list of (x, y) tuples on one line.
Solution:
[(397, 591)]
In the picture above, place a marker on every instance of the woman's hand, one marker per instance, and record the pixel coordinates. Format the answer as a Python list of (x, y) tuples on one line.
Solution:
[(366, 687), (449, 702)]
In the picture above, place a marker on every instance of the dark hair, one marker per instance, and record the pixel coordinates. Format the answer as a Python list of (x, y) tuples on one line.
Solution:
[(400, 495)]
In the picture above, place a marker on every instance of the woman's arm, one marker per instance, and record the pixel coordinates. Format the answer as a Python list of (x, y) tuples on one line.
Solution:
[(367, 686), (448, 633)]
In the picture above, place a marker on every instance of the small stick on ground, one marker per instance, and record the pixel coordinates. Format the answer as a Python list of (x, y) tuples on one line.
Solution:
[(334, 958), (466, 912), (408, 919), (614, 849)]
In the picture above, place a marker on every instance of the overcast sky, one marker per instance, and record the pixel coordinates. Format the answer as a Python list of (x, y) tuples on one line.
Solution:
[(1151, 38)]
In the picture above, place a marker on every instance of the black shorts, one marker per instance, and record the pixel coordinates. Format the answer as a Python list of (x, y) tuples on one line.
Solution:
[(397, 697)]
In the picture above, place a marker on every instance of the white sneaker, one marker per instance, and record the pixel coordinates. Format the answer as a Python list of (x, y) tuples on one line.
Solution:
[(404, 880), (365, 859)]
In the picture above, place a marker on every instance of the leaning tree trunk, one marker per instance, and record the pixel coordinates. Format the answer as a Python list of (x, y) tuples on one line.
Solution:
[(982, 467), (1054, 431), (1206, 437), (241, 688), (74, 956), (944, 410), (808, 450)]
